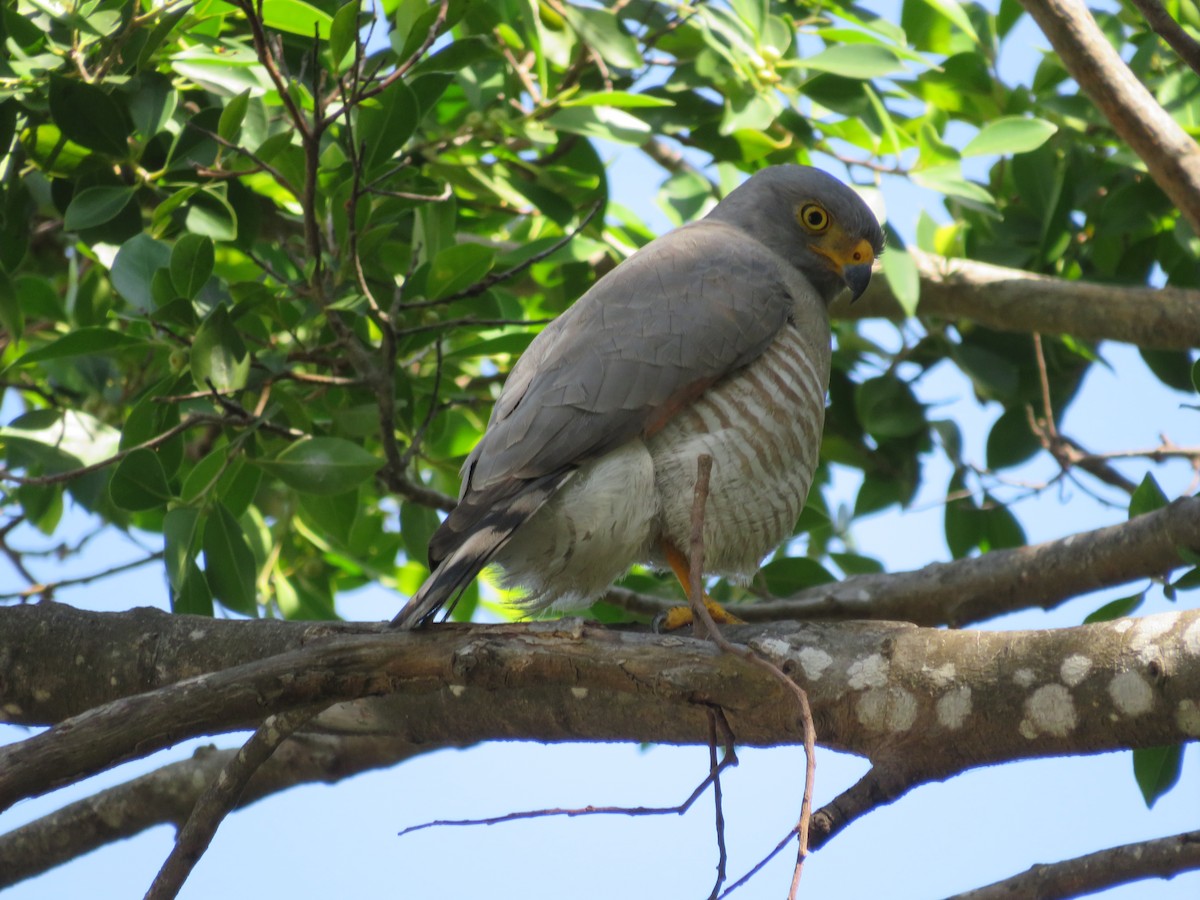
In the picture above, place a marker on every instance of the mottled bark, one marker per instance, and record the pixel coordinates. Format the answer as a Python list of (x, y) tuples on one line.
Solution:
[(1011, 300)]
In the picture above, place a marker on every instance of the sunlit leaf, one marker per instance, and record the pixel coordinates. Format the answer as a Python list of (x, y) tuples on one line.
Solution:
[(322, 465)]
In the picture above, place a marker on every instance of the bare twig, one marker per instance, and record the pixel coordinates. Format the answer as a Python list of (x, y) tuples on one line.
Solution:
[(710, 630), (47, 589), (1157, 858), (729, 760), (220, 798)]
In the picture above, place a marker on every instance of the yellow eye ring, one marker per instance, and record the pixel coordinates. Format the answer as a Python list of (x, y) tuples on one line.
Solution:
[(814, 217)]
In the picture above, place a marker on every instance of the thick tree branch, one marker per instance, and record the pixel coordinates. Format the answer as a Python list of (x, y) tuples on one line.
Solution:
[(1170, 154), (1159, 858), (1012, 300), (167, 796), (942, 701), (973, 590)]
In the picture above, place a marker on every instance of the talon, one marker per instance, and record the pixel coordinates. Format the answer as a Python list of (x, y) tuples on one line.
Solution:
[(679, 616)]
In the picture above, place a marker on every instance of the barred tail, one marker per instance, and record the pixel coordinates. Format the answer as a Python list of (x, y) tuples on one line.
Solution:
[(473, 552)]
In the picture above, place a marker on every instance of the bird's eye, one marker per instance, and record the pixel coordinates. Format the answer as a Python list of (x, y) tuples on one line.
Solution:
[(814, 217)]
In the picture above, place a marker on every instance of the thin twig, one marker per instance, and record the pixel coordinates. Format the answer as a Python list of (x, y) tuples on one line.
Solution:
[(700, 611), (729, 760), (48, 588), (221, 797)]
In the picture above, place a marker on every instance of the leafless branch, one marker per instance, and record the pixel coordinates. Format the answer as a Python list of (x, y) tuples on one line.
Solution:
[(972, 590), (219, 799), (1158, 858)]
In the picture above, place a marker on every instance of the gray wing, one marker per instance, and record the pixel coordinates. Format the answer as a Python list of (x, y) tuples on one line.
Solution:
[(689, 308)]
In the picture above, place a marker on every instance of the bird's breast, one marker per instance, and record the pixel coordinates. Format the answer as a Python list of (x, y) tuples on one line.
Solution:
[(762, 428)]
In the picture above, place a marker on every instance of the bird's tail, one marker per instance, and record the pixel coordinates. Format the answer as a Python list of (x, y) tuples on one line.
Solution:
[(475, 549)]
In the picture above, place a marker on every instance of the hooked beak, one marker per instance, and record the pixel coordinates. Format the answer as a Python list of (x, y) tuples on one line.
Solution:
[(857, 277)]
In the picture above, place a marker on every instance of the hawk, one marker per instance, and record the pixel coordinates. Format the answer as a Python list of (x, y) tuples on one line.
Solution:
[(713, 339)]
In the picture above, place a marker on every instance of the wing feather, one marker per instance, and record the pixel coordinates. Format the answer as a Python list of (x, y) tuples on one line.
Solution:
[(693, 306)]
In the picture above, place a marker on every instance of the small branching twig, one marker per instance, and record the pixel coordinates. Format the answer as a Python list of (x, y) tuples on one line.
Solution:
[(220, 798), (700, 611), (730, 759), (47, 589)]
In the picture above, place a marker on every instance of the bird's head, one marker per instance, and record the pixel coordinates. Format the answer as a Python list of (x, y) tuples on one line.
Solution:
[(811, 219)]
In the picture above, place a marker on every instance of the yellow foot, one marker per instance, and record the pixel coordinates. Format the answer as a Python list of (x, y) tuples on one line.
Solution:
[(679, 616)]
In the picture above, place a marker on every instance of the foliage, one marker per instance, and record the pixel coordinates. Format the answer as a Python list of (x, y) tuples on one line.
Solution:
[(260, 282)]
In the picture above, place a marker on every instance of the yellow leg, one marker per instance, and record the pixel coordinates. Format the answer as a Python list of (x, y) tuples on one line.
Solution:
[(679, 616)]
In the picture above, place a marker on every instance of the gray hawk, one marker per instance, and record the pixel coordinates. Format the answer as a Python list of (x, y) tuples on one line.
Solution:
[(713, 339)]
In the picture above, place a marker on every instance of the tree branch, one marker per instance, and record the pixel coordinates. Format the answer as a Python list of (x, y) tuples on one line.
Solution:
[(972, 590), (883, 690), (1170, 154), (167, 796), (1171, 31), (1012, 300), (1159, 858)]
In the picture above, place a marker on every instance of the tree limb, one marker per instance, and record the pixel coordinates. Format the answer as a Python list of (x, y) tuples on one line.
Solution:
[(886, 691), (972, 590), (1158, 858), (168, 794), (1012, 300), (1170, 154)]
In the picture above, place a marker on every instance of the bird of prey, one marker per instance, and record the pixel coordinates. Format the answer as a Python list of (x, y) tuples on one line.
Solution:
[(713, 339)]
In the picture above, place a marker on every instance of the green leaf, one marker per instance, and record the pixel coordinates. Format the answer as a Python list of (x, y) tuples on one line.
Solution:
[(179, 543), (458, 267), (193, 597), (1010, 134), (887, 408), (1147, 498), (232, 115), (385, 123), (344, 32), (191, 264), (12, 318), (209, 213), (1196, 375), (417, 525), (95, 206), (621, 99), (229, 562), (963, 528), (82, 342), (948, 180), (72, 438), (322, 465), (902, 276), (601, 122), (89, 116), (296, 17), (859, 61), (1188, 581), (1011, 441), (1172, 367), (1000, 527), (139, 482), (134, 267), (1157, 770), (854, 564), (786, 576), (957, 14), (219, 355), (1115, 609), (601, 30)]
